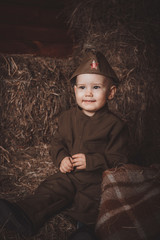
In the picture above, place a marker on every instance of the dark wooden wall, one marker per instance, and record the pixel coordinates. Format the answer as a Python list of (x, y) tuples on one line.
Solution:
[(34, 27)]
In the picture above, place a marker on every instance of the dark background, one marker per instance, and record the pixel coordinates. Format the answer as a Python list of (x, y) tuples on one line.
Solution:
[(34, 27)]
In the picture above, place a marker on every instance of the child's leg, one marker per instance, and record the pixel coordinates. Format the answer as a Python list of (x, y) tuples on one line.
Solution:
[(51, 197), (13, 218), (83, 233)]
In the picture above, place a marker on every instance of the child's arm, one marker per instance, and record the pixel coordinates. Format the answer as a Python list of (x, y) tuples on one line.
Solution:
[(116, 151), (58, 148)]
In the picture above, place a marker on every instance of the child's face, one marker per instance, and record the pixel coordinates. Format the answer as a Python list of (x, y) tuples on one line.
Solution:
[(92, 92)]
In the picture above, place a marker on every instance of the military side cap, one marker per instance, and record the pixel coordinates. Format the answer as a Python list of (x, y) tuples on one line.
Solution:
[(95, 63)]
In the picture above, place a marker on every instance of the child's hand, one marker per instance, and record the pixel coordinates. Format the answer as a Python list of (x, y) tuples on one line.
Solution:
[(66, 165), (79, 161)]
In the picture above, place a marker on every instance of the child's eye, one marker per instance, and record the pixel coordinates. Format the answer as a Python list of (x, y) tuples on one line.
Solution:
[(96, 87), (81, 87)]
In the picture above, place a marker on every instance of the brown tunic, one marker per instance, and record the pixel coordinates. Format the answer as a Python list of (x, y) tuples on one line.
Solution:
[(102, 138)]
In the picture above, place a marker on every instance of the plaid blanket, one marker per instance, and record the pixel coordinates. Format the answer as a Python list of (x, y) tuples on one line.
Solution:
[(130, 204)]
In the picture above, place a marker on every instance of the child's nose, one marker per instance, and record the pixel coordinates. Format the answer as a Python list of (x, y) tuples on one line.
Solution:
[(88, 92)]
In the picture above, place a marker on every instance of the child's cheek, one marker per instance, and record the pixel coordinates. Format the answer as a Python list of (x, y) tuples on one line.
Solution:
[(80, 93)]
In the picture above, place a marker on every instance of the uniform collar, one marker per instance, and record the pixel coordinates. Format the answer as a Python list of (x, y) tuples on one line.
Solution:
[(97, 115)]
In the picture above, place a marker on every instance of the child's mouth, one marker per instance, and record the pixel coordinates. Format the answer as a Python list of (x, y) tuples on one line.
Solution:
[(89, 101)]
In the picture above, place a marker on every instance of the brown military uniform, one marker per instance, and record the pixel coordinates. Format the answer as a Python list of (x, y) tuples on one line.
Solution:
[(103, 140)]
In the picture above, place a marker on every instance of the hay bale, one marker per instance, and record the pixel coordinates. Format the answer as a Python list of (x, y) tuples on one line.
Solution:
[(34, 91)]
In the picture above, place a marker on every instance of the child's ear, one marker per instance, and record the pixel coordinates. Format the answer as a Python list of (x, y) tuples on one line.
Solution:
[(112, 92), (75, 88)]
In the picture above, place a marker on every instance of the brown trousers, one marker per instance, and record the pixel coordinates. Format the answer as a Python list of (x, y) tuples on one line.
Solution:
[(58, 192)]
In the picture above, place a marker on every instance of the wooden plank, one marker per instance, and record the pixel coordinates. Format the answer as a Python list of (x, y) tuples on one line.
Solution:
[(36, 48), (9, 32)]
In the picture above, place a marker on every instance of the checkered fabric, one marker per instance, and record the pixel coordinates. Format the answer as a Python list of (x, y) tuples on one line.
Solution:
[(130, 204)]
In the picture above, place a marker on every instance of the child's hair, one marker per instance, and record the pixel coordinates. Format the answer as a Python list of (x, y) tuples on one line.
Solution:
[(110, 80)]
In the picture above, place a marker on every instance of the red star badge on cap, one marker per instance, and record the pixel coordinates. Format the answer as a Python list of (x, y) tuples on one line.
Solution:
[(94, 65)]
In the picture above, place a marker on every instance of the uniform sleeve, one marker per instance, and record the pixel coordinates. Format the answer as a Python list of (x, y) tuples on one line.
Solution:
[(115, 153), (58, 148)]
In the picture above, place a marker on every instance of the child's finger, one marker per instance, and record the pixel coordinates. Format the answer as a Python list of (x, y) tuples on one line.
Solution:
[(69, 167), (80, 167), (78, 159), (77, 163), (66, 167), (78, 155), (62, 169)]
